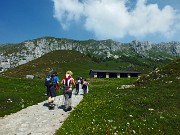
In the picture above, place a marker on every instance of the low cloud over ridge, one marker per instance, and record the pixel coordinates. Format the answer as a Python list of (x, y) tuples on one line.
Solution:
[(113, 18)]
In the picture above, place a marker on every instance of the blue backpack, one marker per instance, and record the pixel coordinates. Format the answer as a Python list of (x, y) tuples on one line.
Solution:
[(49, 80)]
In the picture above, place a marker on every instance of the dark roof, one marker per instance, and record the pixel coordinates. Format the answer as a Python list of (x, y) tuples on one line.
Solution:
[(114, 71)]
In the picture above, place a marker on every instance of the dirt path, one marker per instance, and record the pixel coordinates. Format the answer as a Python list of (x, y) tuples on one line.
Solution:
[(37, 119)]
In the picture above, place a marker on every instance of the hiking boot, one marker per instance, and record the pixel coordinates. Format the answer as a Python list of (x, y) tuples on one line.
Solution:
[(65, 110), (69, 108), (51, 106)]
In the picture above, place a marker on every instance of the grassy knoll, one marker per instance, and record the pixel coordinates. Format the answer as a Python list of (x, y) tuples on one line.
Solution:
[(16, 94), (80, 64), (61, 61), (152, 108)]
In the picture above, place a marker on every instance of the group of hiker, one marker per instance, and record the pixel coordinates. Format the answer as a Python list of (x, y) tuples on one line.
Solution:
[(53, 83), (81, 83)]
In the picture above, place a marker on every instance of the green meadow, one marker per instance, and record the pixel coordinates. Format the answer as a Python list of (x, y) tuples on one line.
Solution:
[(16, 94), (150, 108), (108, 110)]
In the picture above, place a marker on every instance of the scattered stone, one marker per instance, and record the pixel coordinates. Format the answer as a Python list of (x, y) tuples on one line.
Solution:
[(30, 76), (126, 86)]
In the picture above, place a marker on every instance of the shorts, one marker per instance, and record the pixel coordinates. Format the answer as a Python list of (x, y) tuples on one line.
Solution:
[(68, 93), (51, 91)]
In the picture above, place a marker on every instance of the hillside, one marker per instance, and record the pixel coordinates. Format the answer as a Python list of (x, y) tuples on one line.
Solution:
[(152, 108), (17, 94), (168, 74), (61, 61), (79, 63), (143, 56)]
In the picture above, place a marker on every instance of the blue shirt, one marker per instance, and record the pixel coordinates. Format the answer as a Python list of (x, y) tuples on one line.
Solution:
[(56, 79)]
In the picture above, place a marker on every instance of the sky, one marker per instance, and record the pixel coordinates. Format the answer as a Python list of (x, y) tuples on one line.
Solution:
[(120, 20)]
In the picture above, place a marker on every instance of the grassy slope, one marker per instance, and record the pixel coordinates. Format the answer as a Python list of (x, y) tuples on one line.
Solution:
[(64, 60), (25, 92), (61, 61), (152, 108), (17, 94)]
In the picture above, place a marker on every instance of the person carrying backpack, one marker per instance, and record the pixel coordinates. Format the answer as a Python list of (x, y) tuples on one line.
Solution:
[(85, 86), (81, 81), (51, 82), (68, 82), (78, 81)]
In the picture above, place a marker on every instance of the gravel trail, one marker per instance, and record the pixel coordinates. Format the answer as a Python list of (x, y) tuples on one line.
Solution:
[(37, 119)]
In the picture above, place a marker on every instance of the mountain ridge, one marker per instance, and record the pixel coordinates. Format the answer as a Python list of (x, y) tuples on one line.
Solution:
[(104, 50)]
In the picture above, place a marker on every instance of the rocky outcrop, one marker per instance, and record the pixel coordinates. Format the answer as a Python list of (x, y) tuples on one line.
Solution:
[(14, 55)]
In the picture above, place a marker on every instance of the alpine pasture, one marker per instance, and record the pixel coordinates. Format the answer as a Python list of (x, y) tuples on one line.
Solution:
[(152, 107)]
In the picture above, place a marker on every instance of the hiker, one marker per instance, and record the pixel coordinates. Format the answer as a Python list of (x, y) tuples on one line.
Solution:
[(77, 85), (81, 81), (85, 86), (51, 89), (68, 82)]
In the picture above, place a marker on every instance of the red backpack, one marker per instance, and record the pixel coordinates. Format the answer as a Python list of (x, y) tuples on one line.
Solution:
[(67, 81)]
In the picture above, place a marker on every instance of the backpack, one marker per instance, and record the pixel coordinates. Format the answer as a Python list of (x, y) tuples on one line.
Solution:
[(49, 80), (84, 86), (67, 82), (77, 81)]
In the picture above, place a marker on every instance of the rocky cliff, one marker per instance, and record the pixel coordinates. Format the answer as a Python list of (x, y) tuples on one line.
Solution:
[(17, 54)]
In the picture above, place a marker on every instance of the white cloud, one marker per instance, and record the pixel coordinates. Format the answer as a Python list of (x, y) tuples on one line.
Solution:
[(66, 11), (113, 19)]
